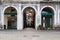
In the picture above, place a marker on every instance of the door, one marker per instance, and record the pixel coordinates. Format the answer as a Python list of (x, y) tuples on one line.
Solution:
[(12, 22), (46, 21)]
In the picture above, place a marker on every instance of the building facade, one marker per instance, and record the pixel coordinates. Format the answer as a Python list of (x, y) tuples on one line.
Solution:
[(23, 14)]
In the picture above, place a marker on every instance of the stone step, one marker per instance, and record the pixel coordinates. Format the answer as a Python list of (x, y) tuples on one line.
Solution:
[(29, 29)]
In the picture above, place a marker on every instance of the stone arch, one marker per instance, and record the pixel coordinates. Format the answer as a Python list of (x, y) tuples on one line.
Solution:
[(31, 11), (5, 10), (29, 6), (49, 9)]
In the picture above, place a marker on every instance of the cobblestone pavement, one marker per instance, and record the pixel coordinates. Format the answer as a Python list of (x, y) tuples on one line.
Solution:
[(29, 35)]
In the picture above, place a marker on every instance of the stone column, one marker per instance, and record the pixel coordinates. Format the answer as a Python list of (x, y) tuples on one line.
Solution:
[(19, 19)]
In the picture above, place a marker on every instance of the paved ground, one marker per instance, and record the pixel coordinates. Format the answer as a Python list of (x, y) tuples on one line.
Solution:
[(29, 35)]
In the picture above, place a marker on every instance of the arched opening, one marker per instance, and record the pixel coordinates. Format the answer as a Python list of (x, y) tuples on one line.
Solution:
[(10, 18), (47, 17), (29, 18)]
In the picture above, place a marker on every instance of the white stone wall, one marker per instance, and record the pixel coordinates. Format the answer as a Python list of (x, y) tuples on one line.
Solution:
[(0, 14), (28, 0), (37, 7), (37, 15), (20, 19)]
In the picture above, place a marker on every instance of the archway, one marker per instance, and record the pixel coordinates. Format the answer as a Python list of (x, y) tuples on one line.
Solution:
[(47, 17), (10, 18), (29, 17)]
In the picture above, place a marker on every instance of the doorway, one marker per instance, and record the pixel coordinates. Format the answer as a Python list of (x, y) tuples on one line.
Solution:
[(10, 18), (29, 17), (47, 17)]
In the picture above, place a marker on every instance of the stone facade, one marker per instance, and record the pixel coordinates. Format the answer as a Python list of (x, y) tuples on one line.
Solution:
[(37, 6)]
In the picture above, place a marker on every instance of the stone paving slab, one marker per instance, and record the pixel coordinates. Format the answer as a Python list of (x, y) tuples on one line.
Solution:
[(29, 35)]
